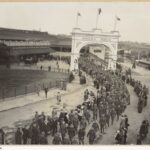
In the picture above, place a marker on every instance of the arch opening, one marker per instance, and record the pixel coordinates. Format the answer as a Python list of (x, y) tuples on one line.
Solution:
[(99, 52), (96, 52)]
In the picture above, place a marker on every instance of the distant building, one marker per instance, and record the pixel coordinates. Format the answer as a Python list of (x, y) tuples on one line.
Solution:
[(100, 51), (123, 55), (143, 63)]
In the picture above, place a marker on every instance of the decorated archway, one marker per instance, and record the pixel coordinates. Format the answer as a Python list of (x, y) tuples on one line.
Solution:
[(82, 38)]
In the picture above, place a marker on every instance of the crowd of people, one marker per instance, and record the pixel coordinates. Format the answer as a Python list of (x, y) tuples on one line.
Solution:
[(35, 59), (55, 69), (140, 89), (88, 121), (112, 98), (142, 94)]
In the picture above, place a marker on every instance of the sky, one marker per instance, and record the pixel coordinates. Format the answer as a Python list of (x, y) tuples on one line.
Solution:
[(60, 17)]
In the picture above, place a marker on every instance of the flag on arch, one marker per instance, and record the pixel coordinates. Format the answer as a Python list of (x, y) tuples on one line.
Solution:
[(118, 19), (79, 14), (99, 10)]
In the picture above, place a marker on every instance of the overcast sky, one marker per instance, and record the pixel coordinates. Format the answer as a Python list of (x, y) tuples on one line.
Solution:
[(60, 18)]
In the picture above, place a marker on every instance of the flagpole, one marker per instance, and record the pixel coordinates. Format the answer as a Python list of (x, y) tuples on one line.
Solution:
[(115, 23), (97, 17), (77, 21)]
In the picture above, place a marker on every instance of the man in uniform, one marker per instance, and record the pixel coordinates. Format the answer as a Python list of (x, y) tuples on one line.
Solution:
[(81, 135), (18, 137), (2, 137), (57, 139), (107, 116), (34, 134), (83, 123), (25, 135), (43, 139), (102, 123), (118, 111), (75, 122), (66, 140), (71, 132), (58, 98), (63, 129), (92, 136), (46, 91), (95, 111)]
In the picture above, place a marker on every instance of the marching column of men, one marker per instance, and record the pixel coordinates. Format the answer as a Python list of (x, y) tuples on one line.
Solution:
[(142, 93), (140, 89), (112, 98)]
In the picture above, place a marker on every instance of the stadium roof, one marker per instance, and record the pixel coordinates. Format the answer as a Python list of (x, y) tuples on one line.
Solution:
[(32, 35)]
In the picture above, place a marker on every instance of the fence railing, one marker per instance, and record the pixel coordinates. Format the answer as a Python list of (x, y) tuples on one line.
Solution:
[(51, 69), (12, 92)]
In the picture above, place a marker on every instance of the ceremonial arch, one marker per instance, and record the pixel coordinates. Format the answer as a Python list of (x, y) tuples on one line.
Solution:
[(96, 36)]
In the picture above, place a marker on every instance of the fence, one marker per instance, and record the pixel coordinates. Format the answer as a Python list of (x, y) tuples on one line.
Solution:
[(51, 69), (32, 88)]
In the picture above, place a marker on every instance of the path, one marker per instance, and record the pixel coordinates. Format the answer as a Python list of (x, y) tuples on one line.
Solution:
[(71, 98)]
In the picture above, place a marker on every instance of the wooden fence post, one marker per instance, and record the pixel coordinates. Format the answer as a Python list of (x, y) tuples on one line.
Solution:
[(3, 94), (25, 90), (50, 84), (15, 92)]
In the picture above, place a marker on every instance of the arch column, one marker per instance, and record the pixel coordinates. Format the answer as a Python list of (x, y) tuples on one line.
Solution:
[(113, 58), (112, 64), (74, 61)]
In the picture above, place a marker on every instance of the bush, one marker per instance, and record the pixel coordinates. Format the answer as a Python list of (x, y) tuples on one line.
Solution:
[(71, 77), (82, 80)]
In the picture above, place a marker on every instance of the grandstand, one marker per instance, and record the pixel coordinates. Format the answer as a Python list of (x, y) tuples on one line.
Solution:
[(23, 35), (16, 44)]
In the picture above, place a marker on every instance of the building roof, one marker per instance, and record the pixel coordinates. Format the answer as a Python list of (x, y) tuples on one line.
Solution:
[(32, 35), (16, 34)]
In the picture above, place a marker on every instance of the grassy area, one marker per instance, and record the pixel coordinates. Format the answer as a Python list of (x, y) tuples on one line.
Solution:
[(17, 82)]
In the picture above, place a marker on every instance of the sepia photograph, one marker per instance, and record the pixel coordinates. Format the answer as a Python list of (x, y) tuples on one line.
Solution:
[(74, 73)]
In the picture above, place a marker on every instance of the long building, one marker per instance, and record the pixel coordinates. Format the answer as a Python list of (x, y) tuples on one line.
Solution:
[(15, 44)]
